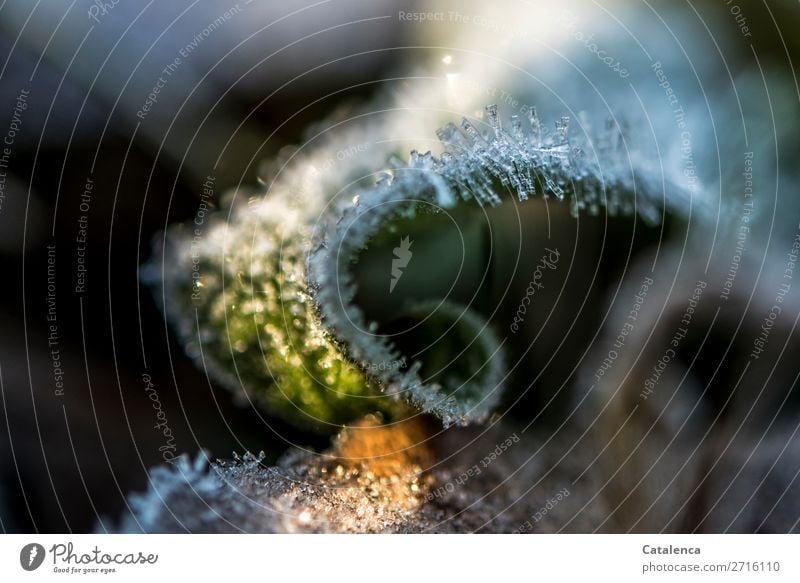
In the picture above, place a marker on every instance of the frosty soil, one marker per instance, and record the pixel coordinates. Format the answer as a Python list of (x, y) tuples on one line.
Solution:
[(551, 503), (473, 471)]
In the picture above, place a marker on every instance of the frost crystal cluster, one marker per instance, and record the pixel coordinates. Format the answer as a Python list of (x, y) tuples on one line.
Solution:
[(266, 300)]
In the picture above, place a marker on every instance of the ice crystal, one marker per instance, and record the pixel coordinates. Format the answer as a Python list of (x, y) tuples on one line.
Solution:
[(482, 167), (239, 302), (375, 479), (266, 302)]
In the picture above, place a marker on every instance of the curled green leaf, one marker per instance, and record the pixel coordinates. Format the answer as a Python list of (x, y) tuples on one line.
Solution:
[(309, 305)]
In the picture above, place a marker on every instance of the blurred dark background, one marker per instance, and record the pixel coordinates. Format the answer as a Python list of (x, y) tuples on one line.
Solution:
[(69, 455)]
